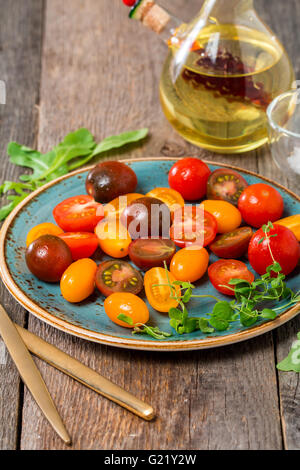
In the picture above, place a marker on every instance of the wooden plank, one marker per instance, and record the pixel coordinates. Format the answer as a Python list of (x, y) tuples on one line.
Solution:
[(20, 46), (289, 391), (101, 71)]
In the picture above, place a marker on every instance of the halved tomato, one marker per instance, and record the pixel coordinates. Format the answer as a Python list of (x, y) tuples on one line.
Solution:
[(226, 184), (149, 253), (157, 290), (118, 276), (223, 271), (233, 244), (170, 197), (193, 225), (78, 214), (118, 205), (81, 244)]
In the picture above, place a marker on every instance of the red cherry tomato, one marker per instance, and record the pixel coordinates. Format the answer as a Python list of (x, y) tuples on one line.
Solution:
[(284, 246), (78, 214), (129, 3), (193, 225), (260, 204), (81, 244), (189, 177), (222, 271)]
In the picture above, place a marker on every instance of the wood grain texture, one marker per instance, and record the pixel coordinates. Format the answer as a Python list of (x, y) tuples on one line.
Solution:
[(286, 15), (20, 47), (101, 71), (96, 74)]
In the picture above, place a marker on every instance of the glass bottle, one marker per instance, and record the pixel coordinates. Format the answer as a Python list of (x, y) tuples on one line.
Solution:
[(222, 71)]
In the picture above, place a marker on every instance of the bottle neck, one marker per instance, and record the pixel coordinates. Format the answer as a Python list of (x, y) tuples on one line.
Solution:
[(170, 29)]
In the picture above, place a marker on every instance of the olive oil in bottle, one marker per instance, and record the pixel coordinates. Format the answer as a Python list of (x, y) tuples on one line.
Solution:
[(220, 97)]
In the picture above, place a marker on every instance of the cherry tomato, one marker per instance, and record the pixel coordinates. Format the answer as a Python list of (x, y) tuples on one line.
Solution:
[(233, 244), (260, 204), (293, 223), (81, 244), (78, 214), (42, 229), (228, 216), (158, 292), (114, 238), (129, 305), (48, 257), (118, 205), (147, 217), (109, 180), (223, 271), (192, 225), (170, 197), (284, 246), (189, 264), (118, 276), (149, 253), (78, 281), (189, 177), (227, 185)]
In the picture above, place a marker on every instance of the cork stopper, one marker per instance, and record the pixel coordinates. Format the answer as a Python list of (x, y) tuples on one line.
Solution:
[(155, 17)]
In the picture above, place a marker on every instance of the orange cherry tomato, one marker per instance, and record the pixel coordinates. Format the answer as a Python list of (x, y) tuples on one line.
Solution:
[(293, 223), (228, 216), (170, 197), (42, 229), (129, 305), (114, 238), (78, 281), (117, 206), (158, 292), (189, 264)]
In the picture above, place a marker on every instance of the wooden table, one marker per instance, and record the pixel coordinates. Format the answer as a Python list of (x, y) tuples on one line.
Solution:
[(83, 63)]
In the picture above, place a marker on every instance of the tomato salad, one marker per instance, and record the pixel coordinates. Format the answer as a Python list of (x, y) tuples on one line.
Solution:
[(160, 242)]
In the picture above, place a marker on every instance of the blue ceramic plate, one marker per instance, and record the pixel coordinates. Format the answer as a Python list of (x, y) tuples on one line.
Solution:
[(88, 319)]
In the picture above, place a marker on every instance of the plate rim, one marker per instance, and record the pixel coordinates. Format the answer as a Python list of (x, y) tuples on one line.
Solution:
[(128, 343)]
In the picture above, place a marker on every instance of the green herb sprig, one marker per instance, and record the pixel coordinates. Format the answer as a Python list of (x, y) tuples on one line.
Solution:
[(248, 306), (77, 149)]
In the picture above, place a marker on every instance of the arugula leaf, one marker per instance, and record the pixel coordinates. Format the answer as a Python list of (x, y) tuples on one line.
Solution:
[(74, 151), (292, 361)]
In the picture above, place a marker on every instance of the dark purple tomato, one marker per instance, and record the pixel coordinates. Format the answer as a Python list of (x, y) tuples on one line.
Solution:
[(48, 257), (147, 217), (118, 276), (232, 245), (227, 185), (109, 180), (147, 253)]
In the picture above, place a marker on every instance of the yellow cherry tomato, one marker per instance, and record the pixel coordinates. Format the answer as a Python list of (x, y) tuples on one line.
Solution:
[(42, 229), (126, 304), (114, 238), (293, 223), (78, 281), (117, 206), (227, 215), (189, 264), (170, 197), (158, 292)]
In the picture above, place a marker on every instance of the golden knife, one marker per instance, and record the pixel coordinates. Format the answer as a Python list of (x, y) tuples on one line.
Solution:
[(83, 374), (30, 374)]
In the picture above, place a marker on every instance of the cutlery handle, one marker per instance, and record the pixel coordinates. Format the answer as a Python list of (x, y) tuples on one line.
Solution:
[(83, 374), (30, 374)]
